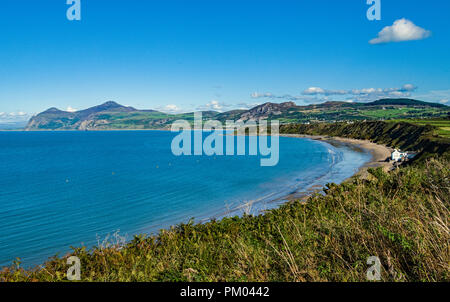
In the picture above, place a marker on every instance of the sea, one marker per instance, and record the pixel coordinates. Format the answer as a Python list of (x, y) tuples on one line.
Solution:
[(63, 189)]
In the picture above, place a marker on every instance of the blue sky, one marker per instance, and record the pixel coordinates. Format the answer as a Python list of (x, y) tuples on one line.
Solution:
[(191, 55)]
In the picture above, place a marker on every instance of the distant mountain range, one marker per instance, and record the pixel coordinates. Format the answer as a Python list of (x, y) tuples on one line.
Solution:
[(111, 115)]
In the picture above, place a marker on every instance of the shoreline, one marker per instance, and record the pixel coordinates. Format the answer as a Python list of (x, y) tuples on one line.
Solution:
[(379, 153)]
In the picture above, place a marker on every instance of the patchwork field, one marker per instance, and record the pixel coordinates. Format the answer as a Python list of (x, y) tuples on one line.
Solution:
[(443, 125)]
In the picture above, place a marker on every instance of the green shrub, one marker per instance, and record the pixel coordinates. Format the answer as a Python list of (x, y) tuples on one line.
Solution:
[(401, 217)]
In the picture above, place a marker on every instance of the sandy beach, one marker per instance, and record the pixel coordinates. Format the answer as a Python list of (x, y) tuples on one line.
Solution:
[(379, 155), (379, 152)]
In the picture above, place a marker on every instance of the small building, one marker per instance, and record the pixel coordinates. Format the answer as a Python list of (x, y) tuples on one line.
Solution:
[(399, 156)]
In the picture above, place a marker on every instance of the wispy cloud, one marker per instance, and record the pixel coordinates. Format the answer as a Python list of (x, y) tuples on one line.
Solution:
[(401, 30), (441, 96), (215, 105), (318, 90), (18, 116), (170, 108), (70, 109), (365, 91), (319, 94), (370, 94), (287, 97)]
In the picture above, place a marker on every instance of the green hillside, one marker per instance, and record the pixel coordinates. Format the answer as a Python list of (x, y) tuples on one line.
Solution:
[(114, 116), (442, 125)]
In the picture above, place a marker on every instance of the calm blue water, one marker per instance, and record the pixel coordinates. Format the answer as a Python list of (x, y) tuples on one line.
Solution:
[(62, 189)]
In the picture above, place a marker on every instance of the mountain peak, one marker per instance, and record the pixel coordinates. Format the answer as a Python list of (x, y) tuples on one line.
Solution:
[(53, 110), (107, 106), (111, 104)]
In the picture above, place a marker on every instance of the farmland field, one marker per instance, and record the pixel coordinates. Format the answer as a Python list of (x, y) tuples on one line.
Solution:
[(443, 125)]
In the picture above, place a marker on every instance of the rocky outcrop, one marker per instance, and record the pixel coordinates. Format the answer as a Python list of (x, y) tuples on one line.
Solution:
[(266, 110), (55, 119)]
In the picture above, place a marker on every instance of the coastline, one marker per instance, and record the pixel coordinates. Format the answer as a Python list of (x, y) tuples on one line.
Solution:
[(378, 152)]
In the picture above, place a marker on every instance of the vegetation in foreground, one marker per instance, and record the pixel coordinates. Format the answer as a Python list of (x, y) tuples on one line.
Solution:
[(402, 217)]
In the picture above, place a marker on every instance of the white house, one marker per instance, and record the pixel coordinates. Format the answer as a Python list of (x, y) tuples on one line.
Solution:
[(398, 156)]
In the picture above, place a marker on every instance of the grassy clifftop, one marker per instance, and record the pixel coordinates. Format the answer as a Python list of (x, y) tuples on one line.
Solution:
[(406, 136), (402, 217)]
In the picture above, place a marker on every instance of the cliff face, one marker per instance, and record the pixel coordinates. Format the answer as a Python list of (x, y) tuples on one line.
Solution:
[(266, 110), (52, 119), (405, 136), (55, 119)]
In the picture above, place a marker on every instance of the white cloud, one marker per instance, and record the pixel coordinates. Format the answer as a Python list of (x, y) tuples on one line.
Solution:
[(215, 105), (444, 101), (320, 95), (171, 108), (397, 93), (401, 30), (257, 95), (70, 109), (289, 97), (409, 87), (313, 91), (402, 91), (365, 91), (435, 96), (18, 116), (318, 90)]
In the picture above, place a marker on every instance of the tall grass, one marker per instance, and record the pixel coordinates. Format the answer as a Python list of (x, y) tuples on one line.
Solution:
[(402, 217)]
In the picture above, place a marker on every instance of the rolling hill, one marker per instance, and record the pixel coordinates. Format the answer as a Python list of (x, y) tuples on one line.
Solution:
[(111, 115)]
